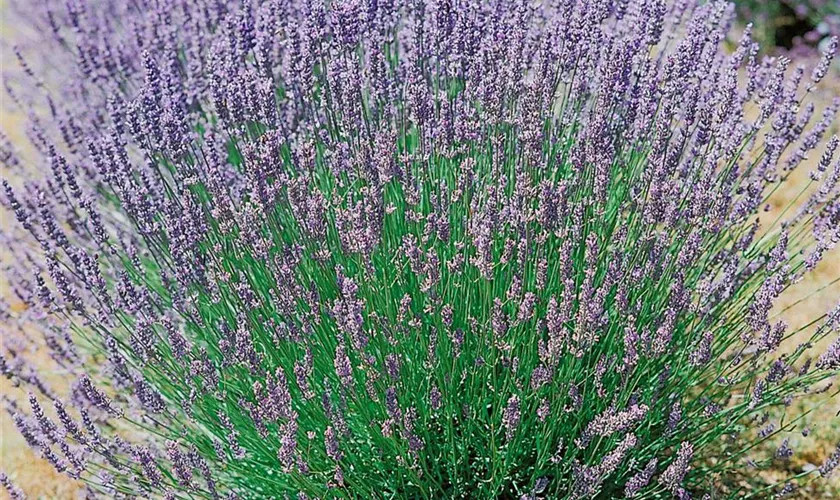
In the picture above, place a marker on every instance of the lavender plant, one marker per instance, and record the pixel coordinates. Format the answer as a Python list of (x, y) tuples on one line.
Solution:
[(411, 249)]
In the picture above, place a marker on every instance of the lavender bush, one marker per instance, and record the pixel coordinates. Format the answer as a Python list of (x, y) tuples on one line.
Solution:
[(387, 249)]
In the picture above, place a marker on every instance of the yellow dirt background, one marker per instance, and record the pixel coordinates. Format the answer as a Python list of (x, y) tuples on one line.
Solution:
[(39, 480)]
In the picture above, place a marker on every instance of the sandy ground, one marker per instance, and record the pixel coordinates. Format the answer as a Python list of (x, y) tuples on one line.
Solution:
[(39, 480)]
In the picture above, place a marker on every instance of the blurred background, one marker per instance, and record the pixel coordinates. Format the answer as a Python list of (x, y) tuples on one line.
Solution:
[(792, 26), (797, 29)]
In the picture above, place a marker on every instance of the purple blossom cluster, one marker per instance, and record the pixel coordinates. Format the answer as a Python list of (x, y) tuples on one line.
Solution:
[(406, 248)]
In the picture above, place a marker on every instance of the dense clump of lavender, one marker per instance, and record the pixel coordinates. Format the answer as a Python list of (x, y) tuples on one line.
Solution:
[(429, 249)]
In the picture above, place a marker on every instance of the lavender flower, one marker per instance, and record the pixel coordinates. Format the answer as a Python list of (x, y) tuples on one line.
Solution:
[(14, 492), (821, 69), (641, 479), (784, 451), (831, 462), (408, 227), (830, 359), (331, 444), (703, 353), (288, 444), (673, 475), (511, 416), (612, 421), (95, 397), (180, 465), (149, 467), (435, 398), (343, 369)]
